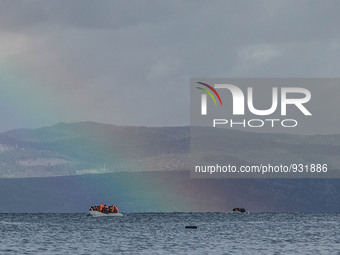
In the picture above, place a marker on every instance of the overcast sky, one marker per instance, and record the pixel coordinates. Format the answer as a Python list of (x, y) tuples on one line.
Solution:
[(130, 62)]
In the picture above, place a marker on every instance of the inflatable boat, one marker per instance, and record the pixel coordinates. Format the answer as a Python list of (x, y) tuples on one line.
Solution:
[(104, 210), (100, 214)]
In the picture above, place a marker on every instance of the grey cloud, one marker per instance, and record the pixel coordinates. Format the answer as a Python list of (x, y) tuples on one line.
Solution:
[(135, 58), (85, 14)]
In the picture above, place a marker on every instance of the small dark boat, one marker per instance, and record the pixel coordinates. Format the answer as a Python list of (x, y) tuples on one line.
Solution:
[(240, 210)]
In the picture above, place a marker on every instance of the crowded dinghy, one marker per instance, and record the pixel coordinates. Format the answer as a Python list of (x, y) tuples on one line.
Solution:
[(104, 210)]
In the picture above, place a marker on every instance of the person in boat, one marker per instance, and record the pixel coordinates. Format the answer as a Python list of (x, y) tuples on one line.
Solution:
[(112, 209), (104, 210)]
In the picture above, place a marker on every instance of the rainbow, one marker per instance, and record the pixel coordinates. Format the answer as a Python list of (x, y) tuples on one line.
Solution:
[(27, 97)]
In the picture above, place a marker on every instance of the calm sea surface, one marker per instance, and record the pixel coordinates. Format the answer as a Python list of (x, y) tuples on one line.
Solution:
[(165, 233)]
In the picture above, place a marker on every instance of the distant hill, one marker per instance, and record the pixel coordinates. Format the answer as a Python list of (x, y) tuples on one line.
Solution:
[(87, 147), (93, 148)]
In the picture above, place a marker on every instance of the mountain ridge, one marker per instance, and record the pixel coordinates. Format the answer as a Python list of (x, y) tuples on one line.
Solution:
[(89, 147)]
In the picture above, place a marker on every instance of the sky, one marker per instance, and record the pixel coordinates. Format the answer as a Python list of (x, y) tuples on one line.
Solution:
[(130, 62)]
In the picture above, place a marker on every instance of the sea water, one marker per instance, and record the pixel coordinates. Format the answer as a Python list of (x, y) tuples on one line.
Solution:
[(165, 233)]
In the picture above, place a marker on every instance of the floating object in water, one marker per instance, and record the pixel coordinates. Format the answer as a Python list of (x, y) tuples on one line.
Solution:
[(192, 227)]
